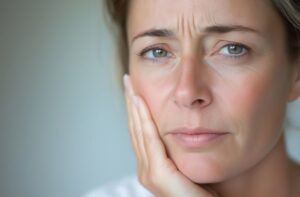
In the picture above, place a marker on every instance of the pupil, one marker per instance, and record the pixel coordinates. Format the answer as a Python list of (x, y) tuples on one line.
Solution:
[(235, 49), (159, 53)]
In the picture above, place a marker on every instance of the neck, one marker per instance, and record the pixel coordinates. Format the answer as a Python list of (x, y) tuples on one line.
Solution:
[(270, 177)]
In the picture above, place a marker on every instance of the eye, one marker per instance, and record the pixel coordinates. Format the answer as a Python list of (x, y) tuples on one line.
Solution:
[(234, 50), (155, 53)]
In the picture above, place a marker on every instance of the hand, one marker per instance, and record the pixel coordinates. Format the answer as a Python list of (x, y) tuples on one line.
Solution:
[(156, 171)]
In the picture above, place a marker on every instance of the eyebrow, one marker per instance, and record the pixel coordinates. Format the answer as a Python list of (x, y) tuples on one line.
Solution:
[(155, 33), (218, 29)]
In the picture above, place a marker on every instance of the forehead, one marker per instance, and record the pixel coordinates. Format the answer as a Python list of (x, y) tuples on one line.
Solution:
[(182, 14)]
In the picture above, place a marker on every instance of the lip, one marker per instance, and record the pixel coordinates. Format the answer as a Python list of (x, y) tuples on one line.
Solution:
[(197, 137)]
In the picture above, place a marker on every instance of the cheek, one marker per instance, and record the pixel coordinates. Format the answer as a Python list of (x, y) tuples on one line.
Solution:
[(254, 96), (153, 94), (257, 111), (244, 99)]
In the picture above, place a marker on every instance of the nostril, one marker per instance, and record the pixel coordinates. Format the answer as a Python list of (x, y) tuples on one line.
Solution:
[(195, 103), (198, 102)]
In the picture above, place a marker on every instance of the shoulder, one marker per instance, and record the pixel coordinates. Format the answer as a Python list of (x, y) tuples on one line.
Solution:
[(125, 187)]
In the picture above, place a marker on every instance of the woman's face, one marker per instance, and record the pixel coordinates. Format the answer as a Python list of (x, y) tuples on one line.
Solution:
[(220, 65)]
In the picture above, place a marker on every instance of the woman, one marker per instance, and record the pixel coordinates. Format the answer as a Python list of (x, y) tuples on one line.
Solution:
[(207, 88)]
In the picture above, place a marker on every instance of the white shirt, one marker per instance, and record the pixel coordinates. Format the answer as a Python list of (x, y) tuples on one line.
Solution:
[(126, 187)]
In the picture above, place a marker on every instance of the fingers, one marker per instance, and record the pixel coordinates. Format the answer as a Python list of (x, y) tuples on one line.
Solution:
[(154, 147), (157, 172), (130, 120), (143, 129), (147, 143), (131, 124), (135, 128)]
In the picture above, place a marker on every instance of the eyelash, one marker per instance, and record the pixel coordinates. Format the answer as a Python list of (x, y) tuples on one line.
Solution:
[(245, 48), (149, 49)]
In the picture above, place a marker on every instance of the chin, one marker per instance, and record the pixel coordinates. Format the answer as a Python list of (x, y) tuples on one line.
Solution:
[(200, 168)]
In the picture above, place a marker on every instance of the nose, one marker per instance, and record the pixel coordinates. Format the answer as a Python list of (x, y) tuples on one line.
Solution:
[(192, 88)]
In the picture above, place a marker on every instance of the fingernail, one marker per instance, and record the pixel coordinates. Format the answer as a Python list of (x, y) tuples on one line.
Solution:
[(127, 83), (125, 80)]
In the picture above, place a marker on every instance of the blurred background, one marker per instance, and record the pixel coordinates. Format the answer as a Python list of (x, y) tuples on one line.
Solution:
[(63, 126)]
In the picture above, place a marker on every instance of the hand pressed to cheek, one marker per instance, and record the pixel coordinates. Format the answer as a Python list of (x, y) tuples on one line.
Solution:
[(156, 171), (135, 130), (142, 128)]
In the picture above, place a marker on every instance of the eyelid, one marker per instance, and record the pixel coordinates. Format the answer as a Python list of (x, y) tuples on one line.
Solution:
[(218, 47), (244, 50), (222, 44), (153, 47)]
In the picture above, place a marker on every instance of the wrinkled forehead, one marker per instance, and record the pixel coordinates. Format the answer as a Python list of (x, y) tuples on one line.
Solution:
[(194, 15)]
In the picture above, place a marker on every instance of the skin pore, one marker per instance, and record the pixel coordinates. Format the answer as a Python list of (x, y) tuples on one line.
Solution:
[(221, 65)]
